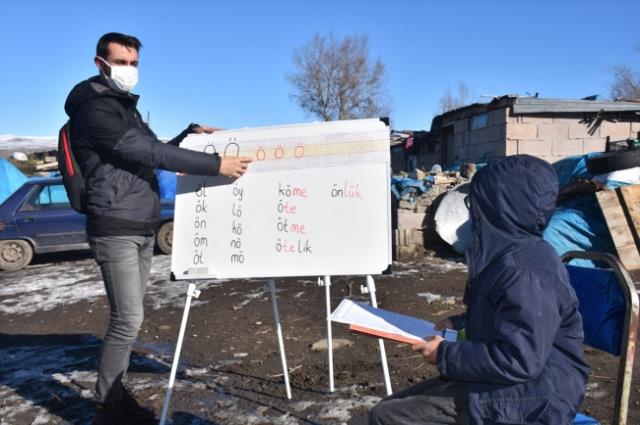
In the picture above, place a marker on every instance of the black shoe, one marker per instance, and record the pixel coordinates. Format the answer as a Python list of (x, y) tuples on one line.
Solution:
[(134, 412), (126, 411), (108, 414)]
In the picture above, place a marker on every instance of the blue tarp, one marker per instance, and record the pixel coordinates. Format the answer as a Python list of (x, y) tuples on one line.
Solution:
[(167, 181), (10, 179), (405, 186), (578, 223)]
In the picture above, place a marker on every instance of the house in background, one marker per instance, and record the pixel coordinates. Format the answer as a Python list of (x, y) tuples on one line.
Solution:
[(410, 149), (550, 129)]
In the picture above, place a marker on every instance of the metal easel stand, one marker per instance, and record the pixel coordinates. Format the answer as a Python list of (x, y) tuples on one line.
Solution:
[(371, 290), (283, 357), (326, 282), (192, 292)]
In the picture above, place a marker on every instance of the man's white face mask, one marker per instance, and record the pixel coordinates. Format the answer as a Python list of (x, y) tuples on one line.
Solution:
[(123, 78)]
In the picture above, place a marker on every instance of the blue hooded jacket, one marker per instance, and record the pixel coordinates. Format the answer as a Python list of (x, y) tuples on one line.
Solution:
[(523, 358)]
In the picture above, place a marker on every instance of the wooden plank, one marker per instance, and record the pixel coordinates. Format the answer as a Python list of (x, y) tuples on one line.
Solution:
[(631, 204), (620, 226)]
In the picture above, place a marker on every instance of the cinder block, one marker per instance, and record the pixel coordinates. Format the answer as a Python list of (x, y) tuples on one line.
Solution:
[(594, 145), (496, 133), (513, 119), (458, 139), (481, 135), (460, 126), (483, 151), (409, 220), (511, 147), (498, 116), (579, 130), (462, 153), (568, 119), (564, 148), (615, 130), (522, 131), (531, 119), (553, 131), (539, 148)]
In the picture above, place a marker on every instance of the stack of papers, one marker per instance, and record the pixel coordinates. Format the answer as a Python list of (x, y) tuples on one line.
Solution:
[(380, 323)]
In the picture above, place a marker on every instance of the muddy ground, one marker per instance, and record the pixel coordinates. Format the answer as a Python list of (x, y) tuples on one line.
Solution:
[(53, 313)]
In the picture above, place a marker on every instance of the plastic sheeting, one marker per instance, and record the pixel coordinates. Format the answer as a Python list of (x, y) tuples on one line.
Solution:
[(11, 179), (167, 180), (602, 306), (405, 186), (578, 223)]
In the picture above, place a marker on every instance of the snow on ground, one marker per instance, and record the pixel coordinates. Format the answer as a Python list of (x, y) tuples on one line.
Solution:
[(43, 287)]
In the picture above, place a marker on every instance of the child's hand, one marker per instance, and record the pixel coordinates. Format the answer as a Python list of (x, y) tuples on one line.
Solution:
[(429, 348)]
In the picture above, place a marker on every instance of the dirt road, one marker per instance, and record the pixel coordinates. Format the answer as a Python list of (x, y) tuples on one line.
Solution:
[(54, 313)]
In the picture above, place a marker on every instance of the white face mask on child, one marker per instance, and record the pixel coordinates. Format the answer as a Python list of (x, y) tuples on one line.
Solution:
[(123, 78)]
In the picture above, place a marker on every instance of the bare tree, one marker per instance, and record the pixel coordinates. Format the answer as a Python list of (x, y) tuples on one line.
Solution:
[(626, 83), (336, 80), (449, 101)]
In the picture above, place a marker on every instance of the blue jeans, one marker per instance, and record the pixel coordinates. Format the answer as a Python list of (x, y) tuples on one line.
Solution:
[(125, 263)]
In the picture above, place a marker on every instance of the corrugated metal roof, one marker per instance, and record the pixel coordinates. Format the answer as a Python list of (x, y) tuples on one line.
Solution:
[(533, 105)]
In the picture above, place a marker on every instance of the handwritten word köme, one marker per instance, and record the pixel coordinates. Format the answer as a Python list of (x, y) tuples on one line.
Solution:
[(292, 192), (346, 191)]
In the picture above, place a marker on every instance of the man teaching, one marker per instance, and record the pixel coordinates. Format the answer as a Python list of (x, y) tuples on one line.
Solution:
[(117, 154)]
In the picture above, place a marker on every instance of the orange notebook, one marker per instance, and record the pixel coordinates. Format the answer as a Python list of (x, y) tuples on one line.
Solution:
[(364, 319)]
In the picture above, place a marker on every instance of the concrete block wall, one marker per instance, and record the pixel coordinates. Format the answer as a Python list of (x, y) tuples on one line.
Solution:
[(479, 144), (553, 138)]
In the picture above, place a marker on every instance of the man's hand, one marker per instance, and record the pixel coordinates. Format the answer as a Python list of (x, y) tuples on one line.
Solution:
[(443, 324), (205, 129), (429, 348), (234, 167)]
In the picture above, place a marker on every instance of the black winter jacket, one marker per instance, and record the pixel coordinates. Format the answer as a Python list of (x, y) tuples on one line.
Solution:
[(117, 153)]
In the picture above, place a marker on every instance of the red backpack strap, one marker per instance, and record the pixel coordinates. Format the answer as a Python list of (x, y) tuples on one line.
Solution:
[(66, 149)]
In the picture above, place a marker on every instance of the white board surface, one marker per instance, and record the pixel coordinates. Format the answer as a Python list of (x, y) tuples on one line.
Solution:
[(314, 202)]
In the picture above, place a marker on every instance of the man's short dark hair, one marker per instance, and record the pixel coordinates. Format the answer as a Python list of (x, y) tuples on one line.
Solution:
[(102, 49)]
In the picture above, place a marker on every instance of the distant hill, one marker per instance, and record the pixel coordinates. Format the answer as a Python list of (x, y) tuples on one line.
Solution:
[(10, 143)]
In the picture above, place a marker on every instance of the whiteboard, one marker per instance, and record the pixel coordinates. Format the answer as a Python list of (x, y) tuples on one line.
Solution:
[(315, 201)]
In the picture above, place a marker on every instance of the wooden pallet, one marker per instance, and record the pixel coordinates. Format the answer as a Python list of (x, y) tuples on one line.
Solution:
[(621, 209)]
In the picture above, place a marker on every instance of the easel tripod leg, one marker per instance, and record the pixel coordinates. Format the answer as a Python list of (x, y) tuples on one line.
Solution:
[(327, 286), (192, 292), (371, 288), (283, 357)]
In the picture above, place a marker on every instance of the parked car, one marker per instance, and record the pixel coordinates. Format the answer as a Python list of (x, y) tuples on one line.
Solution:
[(38, 219)]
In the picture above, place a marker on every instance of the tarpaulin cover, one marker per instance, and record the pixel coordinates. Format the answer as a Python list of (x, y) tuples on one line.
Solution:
[(601, 306), (167, 181), (11, 179), (581, 419), (401, 186), (578, 223)]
